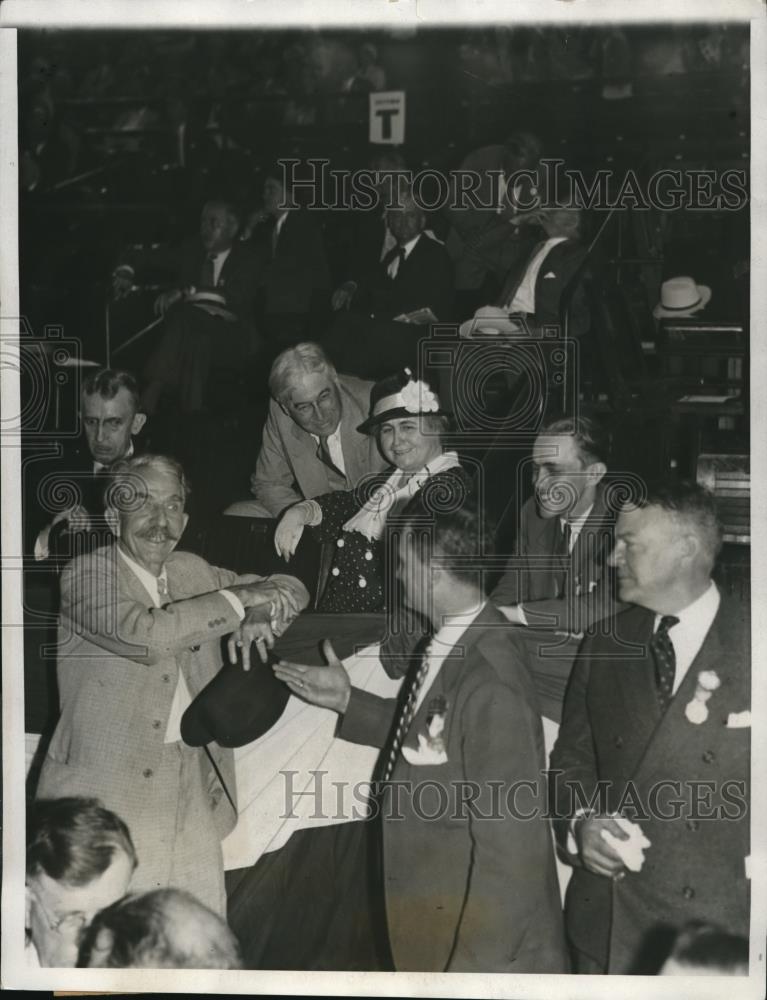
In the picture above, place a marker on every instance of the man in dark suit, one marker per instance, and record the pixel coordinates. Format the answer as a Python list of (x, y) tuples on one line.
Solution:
[(410, 288), (464, 892), (558, 583), (488, 194), (293, 274), (535, 285), (650, 772), (111, 419), (310, 444), (208, 310)]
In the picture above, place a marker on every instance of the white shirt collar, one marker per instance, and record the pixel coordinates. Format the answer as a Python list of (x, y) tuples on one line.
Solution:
[(331, 437), (408, 247), (146, 579), (688, 635), (99, 466), (702, 610), (457, 623)]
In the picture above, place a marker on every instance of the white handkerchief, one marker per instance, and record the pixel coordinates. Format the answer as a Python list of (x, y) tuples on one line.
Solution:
[(739, 720), (631, 851), (424, 754), (549, 274)]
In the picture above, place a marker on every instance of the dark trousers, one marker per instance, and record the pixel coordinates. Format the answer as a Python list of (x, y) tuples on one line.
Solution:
[(313, 904)]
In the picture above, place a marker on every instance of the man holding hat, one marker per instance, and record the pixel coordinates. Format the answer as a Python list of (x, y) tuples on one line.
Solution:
[(139, 637)]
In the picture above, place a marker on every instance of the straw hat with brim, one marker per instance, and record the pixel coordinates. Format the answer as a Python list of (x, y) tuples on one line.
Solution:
[(400, 396), (681, 297), (490, 320), (236, 707)]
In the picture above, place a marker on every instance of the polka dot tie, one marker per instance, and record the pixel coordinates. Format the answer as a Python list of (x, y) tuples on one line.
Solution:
[(406, 715), (665, 660)]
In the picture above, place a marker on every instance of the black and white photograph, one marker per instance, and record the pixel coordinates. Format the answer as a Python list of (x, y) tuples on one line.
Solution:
[(379, 383)]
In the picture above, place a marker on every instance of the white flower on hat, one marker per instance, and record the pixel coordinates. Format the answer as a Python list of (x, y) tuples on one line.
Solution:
[(417, 397)]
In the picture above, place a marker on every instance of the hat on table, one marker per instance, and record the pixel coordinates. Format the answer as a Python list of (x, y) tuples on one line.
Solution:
[(681, 297)]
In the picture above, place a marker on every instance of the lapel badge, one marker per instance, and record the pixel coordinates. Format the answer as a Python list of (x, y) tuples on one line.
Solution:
[(696, 710)]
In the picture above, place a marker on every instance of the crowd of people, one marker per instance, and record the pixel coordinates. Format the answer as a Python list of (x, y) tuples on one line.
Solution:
[(525, 760), (548, 775)]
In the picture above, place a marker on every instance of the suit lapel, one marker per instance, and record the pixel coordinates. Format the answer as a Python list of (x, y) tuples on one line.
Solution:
[(714, 655)]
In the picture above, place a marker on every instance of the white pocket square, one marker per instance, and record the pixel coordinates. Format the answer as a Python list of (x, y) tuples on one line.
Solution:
[(424, 754), (550, 274), (739, 720)]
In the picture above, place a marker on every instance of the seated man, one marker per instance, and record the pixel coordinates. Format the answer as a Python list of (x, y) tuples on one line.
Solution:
[(310, 441), (111, 419), (410, 288), (293, 276), (164, 929), (491, 194), (80, 858), (208, 310), (534, 286), (139, 637), (558, 578)]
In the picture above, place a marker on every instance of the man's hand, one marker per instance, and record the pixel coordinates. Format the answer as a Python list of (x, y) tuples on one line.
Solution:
[(594, 852), (279, 602), (328, 686), (343, 295), (254, 627), (288, 532), (165, 300)]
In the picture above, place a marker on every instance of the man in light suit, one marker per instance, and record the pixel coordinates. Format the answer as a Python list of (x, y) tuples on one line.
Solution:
[(310, 441), (558, 579), (469, 887), (656, 732), (139, 637)]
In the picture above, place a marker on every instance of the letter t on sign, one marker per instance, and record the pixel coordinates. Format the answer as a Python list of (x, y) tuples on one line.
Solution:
[(387, 118)]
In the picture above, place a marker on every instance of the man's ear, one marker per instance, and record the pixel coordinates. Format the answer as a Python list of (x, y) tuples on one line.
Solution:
[(596, 471), (139, 419), (101, 948), (186, 521), (113, 520)]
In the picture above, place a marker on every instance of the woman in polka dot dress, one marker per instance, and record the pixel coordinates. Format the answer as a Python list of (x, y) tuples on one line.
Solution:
[(406, 417)]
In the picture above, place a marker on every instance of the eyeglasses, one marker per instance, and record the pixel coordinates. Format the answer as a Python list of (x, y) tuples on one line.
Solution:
[(72, 922)]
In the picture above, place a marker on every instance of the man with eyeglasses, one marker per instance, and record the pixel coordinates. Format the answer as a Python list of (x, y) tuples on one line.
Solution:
[(80, 858), (310, 442)]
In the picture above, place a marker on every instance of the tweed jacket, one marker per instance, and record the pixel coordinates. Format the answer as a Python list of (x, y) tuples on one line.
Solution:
[(119, 659), (288, 469), (613, 731), (466, 892)]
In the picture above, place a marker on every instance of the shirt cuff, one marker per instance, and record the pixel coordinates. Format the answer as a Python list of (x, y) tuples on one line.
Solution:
[(41, 545), (313, 512), (235, 602), (571, 845)]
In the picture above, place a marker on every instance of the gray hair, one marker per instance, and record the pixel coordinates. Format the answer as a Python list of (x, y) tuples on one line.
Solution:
[(121, 492), (293, 364)]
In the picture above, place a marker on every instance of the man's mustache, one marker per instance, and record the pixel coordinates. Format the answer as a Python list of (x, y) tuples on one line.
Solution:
[(159, 535)]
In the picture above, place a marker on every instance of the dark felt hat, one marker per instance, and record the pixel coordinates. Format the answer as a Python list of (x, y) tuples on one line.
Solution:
[(236, 707), (400, 395)]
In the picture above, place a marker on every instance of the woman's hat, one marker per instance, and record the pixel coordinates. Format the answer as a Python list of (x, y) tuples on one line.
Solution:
[(400, 395), (681, 297)]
